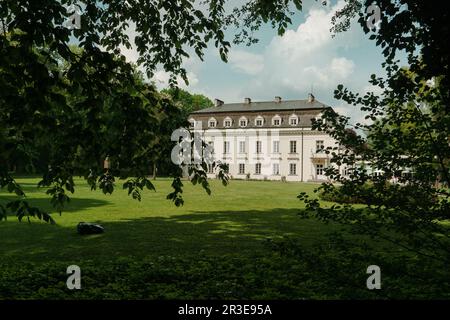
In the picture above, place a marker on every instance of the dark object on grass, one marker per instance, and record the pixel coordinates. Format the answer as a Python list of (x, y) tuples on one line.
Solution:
[(89, 228)]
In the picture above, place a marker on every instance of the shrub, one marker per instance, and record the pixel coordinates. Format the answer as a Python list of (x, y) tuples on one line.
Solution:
[(285, 271)]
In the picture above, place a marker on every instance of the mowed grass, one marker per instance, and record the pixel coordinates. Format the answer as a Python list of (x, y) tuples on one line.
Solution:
[(233, 220)]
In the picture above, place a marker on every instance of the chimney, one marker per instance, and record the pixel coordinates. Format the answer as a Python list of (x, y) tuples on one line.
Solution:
[(247, 100), (218, 102), (277, 99), (311, 98)]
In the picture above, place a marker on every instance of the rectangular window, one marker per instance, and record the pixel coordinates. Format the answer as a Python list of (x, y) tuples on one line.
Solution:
[(259, 122), (241, 168), (276, 122), (319, 169), (275, 169), (319, 146), (276, 146), (228, 123), (258, 146), (292, 169), (243, 123), (258, 168), (226, 147), (293, 146), (212, 124), (211, 146), (241, 146), (293, 121)]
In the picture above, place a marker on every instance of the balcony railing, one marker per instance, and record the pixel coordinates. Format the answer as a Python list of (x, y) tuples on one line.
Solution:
[(319, 154)]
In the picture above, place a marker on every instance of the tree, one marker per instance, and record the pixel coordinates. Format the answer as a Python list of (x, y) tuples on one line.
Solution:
[(188, 102), (185, 103), (88, 105), (408, 134)]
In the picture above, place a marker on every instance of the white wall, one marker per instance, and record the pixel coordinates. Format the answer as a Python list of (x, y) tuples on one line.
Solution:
[(267, 157)]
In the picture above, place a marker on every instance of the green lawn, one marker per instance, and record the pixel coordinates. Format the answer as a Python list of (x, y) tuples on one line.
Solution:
[(234, 220), (213, 247)]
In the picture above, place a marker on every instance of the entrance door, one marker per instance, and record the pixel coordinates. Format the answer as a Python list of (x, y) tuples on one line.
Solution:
[(320, 172)]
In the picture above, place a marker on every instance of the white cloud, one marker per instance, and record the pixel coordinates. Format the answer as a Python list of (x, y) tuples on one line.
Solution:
[(342, 67), (292, 64), (161, 78), (309, 56), (339, 68), (371, 88), (192, 66), (310, 36), (246, 62), (304, 58)]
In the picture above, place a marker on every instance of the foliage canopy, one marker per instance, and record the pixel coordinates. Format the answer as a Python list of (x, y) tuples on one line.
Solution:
[(406, 135), (86, 105)]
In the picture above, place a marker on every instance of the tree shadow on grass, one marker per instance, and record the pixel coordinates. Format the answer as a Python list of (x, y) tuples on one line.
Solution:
[(74, 205), (215, 233)]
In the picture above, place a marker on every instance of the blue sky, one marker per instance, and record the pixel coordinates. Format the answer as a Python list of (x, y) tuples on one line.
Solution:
[(305, 57)]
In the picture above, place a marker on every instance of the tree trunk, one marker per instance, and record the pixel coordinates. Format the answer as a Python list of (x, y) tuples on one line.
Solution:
[(154, 171)]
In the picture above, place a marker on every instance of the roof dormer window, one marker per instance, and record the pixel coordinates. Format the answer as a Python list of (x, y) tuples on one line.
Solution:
[(259, 121), (276, 120), (243, 122), (212, 123), (227, 122), (293, 120)]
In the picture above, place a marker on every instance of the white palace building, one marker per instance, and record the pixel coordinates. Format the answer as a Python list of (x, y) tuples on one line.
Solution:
[(268, 140)]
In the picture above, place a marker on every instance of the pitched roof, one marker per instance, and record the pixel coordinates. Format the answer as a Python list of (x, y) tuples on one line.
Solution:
[(265, 106)]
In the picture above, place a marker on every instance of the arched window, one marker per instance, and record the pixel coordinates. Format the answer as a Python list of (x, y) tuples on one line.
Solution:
[(276, 120), (227, 122), (259, 121), (243, 122), (212, 123), (293, 120)]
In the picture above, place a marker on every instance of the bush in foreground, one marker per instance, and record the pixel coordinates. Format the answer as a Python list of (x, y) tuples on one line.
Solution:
[(287, 271)]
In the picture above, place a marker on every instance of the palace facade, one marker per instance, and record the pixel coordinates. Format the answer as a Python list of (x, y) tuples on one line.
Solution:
[(267, 140)]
